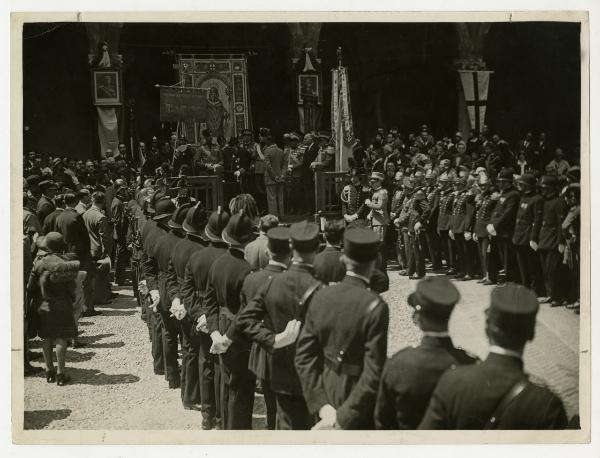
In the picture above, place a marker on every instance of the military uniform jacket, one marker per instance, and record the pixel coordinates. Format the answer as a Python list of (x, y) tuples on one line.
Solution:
[(195, 279), (158, 266), (433, 198), (505, 213), (529, 220), (45, 206), (263, 317), (96, 224), (446, 200), (341, 351), (418, 213), (483, 216), (397, 200), (50, 222), (463, 210), (260, 360), (222, 301), (180, 256), (379, 208), (554, 212), (466, 398), (155, 233), (409, 378)]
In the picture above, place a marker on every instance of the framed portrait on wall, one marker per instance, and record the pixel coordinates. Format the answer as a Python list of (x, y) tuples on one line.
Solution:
[(106, 86), (308, 84)]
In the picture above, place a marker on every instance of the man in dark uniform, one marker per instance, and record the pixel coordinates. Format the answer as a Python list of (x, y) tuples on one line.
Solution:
[(45, 204), (551, 238), (497, 394), (279, 251), (502, 223), (526, 235), (273, 320), (193, 225), (417, 218), (443, 222), (410, 376), (222, 304), (485, 208), (460, 225), (431, 233), (162, 211), (342, 346), (158, 263), (120, 222), (195, 283)]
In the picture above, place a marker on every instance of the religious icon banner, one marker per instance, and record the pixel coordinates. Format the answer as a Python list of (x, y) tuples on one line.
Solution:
[(342, 129), (223, 82)]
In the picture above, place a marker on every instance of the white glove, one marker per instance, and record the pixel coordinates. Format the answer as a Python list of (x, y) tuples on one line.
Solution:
[(561, 248), (289, 335), (533, 245), (155, 298), (368, 202), (451, 235), (475, 238), (350, 218), (328, 417), (418, 227), (237, 173), (397, 222), (468, 236), (202, 325), (491, 229)]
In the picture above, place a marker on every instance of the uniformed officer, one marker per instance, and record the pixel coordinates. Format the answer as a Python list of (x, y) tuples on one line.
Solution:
[(193, 225), (497, 394), (194, 285), (526, 235), (342, 346), (502, 223), (273, 320), (551, 238), (162, 210), (158, 263), (222, 303), (443, 222), (279, 252), (417, 219), (410, 376), (401, 207), (461, 228), (484, 209), (378, 217), (431, 233)]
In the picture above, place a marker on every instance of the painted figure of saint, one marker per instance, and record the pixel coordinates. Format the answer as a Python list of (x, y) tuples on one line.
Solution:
[(217, 114)]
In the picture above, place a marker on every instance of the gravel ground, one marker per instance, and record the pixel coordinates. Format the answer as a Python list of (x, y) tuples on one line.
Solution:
[(114, 387)]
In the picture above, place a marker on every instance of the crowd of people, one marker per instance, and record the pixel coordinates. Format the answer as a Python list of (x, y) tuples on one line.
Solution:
[(293, 310)]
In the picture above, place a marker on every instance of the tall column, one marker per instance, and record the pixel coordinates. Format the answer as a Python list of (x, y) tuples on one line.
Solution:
[(307, 73), (473, 77), (103, 39)]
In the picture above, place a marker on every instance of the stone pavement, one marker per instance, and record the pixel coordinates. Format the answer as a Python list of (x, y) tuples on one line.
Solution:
[(114, 386)]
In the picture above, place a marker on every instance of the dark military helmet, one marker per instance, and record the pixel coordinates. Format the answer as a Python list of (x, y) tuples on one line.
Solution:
[(195, 219), (178, 216), (239, 229), (548, 181), (527, 179), (505, 175), (163, 209), (216, 223)]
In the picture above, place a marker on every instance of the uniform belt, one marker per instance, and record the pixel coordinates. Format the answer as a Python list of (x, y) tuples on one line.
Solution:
[(340, 367)]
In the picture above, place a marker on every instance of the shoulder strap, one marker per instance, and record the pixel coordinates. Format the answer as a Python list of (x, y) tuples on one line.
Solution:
[(305, 300), (510, 396)]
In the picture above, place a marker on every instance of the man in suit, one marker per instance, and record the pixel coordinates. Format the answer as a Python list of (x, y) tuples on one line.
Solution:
[(194, 224), (275, 174), (310, 154), (526, 235), (256, 252), (551, 239), (273, 319), (410, 376), (279, 252), (72, 227), (502, 222), (342, 346), (96, 224), (45, 204), (50, 220), (328, 266), (158, 265), (194, 286), (497, 394), (222, 303), (85, 199)]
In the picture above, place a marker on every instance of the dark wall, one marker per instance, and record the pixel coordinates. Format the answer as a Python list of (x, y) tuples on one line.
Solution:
[(537, 81), (400, 74), (56, 90)]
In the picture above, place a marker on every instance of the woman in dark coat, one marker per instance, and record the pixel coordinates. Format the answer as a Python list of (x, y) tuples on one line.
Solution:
[(53, 281)]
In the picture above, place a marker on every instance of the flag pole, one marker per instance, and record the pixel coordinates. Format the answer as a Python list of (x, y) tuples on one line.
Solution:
[(340, 132)]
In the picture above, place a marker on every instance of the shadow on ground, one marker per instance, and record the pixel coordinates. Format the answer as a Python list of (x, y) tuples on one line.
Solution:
[(39, 419), (81, 376)]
